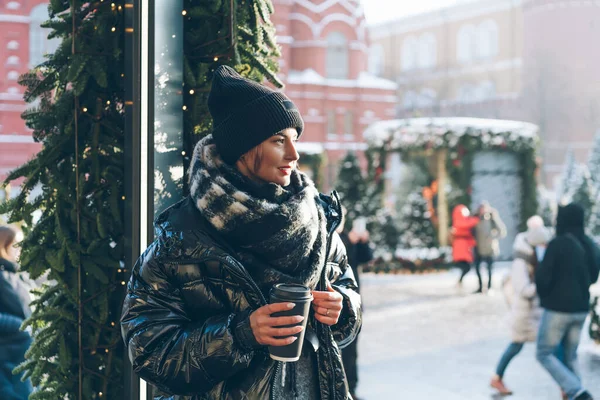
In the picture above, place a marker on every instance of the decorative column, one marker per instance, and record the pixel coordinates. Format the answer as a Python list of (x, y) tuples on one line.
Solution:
[(442, 204)]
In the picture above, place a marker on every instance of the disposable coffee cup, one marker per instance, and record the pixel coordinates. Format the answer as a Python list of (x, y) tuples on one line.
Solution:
[(301, 296)]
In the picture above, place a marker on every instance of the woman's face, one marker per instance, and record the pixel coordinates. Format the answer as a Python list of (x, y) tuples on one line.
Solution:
[(273, 160)]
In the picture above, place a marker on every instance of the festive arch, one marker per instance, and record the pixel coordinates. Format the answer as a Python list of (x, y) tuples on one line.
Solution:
[(449, 144)]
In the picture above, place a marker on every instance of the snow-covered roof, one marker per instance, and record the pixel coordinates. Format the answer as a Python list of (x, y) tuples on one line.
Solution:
[(365, 80), (413, 131)]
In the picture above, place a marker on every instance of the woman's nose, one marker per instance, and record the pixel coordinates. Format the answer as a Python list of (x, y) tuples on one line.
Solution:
[(292, 153)]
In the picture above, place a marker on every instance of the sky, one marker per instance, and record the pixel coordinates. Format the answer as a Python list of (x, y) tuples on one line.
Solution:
[(378, 11)]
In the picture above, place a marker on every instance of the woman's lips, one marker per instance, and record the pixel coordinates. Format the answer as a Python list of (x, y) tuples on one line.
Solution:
[(286, 170)]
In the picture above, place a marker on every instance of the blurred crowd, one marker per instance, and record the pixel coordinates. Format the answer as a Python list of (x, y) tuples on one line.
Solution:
[(547, 289)]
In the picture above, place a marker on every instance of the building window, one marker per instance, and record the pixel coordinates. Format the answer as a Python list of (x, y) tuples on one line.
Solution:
[(349, 123), (13, 60), (409, 100), (486, 91), (427, 98), (467, 93), (376, 59), (410, 53), (337, 56), (331, 128), (12, 45), (466, 44), (427, 56), (39, 44), (487, 39), (12, 76)]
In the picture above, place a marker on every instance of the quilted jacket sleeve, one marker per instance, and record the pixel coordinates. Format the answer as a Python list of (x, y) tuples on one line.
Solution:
[(342, 280), (169, 349)]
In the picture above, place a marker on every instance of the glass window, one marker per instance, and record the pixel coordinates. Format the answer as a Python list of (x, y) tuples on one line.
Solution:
[(376, 59), (487, 39), (39, 44), (409, 100), (337, 56), (331, 128), (349, 123), (410, 53), (427, 56), (465, 44)]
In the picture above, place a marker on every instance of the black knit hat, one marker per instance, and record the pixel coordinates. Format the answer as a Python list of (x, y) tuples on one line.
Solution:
[(246, 113)]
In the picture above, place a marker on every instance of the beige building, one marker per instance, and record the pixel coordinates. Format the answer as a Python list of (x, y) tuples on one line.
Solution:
[(531, 60)]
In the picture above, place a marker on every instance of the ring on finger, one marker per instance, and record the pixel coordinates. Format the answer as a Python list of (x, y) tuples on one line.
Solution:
[(327, 312)]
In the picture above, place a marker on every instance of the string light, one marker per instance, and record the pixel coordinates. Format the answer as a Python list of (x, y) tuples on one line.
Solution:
[(107, 102), (216, 59), (183, 153), (84, 109), (183, 12), (113, 29), (112, 5), (106, 351), (112, 324), (123, 198), (184, 108), (122, 283), (120, 8), (119, 270), (192, 91)]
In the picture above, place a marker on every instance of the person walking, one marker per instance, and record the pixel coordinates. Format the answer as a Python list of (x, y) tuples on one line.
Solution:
[(463, 240), (14, 309), (487, 232), (196, 320), (570, 266), (525, 310), (358, 250)]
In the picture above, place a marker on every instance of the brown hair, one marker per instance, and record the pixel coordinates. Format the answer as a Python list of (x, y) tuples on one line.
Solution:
[(257, 153), (8, 237)]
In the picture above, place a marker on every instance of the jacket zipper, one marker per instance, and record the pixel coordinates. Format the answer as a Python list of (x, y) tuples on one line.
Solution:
[(329, 357), (273, 383)]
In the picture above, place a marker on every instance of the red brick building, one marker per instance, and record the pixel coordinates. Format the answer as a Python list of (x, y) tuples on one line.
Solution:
[(326, 72), (324, 66), (23, 43)]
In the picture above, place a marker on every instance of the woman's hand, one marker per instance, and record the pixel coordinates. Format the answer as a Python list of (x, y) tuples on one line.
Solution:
[(327, 305), (266, 328)]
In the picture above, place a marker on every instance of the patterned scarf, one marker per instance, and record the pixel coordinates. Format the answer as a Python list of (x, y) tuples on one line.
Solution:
[(279, 233)]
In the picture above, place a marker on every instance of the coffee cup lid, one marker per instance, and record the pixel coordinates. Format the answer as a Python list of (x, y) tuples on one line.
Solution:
[(291, 292)]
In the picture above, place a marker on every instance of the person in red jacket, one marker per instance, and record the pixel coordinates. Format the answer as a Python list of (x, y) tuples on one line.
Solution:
[(463, 241)]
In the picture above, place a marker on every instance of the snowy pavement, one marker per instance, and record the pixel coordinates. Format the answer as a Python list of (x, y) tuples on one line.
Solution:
[(423, 338)]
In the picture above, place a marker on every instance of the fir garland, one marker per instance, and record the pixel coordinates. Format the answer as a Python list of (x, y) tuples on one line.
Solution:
[(315, 163), (77, 350)]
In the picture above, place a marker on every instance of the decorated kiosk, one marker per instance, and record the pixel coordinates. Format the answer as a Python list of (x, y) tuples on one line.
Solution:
[(468, 161)]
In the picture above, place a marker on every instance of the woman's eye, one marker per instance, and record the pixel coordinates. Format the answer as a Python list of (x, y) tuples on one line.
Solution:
[(280, 141)]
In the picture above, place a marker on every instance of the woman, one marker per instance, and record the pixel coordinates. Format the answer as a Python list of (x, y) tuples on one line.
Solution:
[(463, 241), (14, 308), (196, 320), (525, 305)]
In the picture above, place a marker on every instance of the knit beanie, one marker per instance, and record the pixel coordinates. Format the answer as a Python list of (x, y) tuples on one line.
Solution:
[(246, 113)]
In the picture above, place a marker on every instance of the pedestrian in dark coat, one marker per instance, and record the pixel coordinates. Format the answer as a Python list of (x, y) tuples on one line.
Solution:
[(196, 319), (359, 252), (14, 308), (570, 266)]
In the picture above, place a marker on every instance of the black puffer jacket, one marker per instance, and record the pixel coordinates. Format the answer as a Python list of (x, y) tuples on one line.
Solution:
[(185, 317)]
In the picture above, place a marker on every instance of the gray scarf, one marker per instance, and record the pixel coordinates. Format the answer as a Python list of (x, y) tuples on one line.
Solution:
[(279, 233)]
